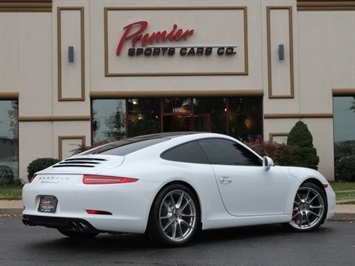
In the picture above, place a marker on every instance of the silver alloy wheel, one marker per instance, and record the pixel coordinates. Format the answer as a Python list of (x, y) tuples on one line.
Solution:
[(177, 215), (308, 209)]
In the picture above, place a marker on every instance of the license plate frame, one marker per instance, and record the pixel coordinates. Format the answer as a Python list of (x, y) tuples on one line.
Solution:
[(48, 204)]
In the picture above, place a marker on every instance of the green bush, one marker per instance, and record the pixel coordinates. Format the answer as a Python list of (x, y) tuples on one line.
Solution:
[(345, 168), (280, 153), (10, 183), (38, 165), (304, 154)]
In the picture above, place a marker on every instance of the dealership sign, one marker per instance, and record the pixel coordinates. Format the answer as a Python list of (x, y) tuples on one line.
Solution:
[(175, 42), (136, 33)]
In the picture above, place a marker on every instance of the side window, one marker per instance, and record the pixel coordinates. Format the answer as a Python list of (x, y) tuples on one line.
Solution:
[(190, 152), (227, 152)]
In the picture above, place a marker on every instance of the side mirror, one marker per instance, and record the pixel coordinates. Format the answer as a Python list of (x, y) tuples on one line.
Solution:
[(267, 163)]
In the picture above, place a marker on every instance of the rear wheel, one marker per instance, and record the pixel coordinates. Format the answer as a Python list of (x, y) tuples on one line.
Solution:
[(309, 208), (175, 216)]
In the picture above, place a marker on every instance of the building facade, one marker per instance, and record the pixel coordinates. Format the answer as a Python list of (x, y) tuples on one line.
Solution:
[(84, 72)]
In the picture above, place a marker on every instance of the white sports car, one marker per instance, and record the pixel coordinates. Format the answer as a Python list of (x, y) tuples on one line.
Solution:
[(171, 185)]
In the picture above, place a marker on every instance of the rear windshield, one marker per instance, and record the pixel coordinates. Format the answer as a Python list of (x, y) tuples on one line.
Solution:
[(124, 147)]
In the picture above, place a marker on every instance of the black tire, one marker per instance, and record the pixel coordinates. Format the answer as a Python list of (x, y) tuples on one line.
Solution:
[(77, 235), (174, 217), (309, 208)]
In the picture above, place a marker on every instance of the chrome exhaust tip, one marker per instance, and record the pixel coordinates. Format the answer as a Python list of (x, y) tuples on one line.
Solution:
[(74, 226), (25, 221), (82, 227)]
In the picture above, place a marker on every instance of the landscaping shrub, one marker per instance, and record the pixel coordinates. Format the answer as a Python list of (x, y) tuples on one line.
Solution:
[(345, 168), (304, 154), (38, 165), (10, 182), (279, 152)]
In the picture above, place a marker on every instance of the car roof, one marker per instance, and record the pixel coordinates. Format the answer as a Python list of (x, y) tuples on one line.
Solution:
[(129, 145), (163, 135)]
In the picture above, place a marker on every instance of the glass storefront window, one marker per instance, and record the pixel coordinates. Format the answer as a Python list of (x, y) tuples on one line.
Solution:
[(177, 114), (344, 126), (214, 109), (108, 120), (177, 106), (245, 118), (143, 116), (8, 140), (113, 119)]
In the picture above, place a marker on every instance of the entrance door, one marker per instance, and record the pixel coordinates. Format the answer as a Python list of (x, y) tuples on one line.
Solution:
[(176, 122), (202, 122)]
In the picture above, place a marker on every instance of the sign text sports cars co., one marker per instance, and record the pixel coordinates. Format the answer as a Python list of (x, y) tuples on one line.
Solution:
[(136, 33), (176, 42)]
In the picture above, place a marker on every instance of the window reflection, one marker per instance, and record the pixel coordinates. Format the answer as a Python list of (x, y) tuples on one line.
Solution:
[(177, 106), (245, 118), (216, 110), (114, 119), (8, 140), (344, 126), (108, 120), (143, 116)]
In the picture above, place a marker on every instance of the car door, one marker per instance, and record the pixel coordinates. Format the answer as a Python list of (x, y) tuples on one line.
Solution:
[(245, 186)]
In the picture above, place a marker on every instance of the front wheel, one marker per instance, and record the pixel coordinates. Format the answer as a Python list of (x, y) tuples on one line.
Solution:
[(309, 208), (174, 217)]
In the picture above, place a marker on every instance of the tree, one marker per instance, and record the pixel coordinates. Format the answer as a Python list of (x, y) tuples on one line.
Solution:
[(13, 115), (304, 153), (116, 124), (352, 107)]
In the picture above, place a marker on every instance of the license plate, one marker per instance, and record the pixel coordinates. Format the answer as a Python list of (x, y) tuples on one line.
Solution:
[(48, 204)]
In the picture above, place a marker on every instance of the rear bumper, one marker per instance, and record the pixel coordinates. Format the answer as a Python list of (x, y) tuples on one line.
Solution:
[(73, 224)]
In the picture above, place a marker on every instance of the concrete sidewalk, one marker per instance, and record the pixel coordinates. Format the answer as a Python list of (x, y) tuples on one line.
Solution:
[(14, 207)]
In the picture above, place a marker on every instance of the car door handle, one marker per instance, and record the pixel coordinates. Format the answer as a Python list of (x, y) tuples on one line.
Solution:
[(225, 180)]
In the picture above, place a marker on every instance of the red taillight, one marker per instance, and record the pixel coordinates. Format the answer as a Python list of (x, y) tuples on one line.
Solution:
[(105, 180), (98, 212), (325, 185), (33, 177)]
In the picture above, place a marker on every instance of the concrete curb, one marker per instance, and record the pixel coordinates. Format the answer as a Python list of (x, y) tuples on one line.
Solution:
[(10, 212), (11, 207), (343, 217)]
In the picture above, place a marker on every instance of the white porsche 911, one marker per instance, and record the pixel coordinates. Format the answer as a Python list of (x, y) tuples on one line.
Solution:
[(171, 185)]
